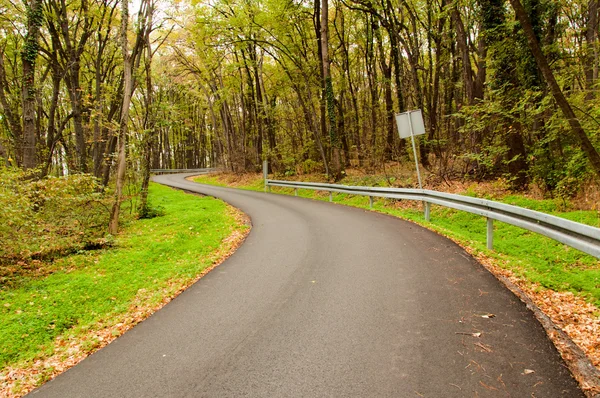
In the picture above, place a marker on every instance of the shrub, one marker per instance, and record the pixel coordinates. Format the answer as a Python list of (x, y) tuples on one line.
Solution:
[(52, 216)]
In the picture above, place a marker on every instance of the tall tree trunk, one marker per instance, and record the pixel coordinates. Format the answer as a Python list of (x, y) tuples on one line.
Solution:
[(318, 25), (149, 131), (355, 112), (51, 138), (113, 226), (28, 58), (74, 89), (559, 97), (591, 55), (372, 83), (11, 116), (396, 59), (461, 39), (96, 149), (336, 161), (386, 69)]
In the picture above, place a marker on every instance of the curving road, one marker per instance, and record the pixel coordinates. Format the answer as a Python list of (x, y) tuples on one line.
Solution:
[(329, 301)]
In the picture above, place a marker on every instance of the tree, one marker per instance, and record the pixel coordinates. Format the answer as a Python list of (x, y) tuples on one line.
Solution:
[(29, 56), (336, 161), (130, 63), (558, 95)]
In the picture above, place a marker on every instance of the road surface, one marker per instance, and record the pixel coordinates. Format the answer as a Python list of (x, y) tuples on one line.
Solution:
[(324, 300)]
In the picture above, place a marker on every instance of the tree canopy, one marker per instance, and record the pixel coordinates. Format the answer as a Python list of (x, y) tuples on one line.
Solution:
[(507, 88)]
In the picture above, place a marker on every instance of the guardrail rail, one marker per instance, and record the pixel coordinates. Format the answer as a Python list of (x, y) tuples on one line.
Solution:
[(163, 171), (576, 235)]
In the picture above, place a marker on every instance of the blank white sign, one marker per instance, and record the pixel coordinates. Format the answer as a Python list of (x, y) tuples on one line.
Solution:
[(416, 118)]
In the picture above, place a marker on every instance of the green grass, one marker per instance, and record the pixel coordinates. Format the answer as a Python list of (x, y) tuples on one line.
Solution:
[(211, 179), (537, 258), (152, 257)]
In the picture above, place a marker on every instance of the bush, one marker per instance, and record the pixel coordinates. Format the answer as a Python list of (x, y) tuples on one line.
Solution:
[(49, 217), (149, 211)]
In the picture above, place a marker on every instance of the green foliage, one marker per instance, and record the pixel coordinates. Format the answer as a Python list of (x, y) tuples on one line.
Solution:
[(153, 259), (557, 164), (150, 211), (49, 217)]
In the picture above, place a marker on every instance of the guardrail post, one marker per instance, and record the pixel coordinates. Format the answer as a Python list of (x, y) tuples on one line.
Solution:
[(490, 234), (295, 191), (331, 196), (370, 202), (427, 211), (266, 173)]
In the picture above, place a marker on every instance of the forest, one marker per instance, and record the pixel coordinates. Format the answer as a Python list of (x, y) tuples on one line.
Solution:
[(508, 89), (94, 94)]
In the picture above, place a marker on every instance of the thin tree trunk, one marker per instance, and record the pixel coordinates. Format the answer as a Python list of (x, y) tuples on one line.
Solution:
[(113, 226), (51, 134), (461, 39), (318, 25), (150, 133), (336, 163), (14, 124), (591, 58)]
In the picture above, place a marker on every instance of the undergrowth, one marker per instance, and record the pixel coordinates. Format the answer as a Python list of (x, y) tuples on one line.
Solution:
[(44, 219)]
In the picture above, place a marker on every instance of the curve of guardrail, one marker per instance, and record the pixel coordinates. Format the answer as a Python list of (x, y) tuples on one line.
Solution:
[(576, 235), (165, 171)]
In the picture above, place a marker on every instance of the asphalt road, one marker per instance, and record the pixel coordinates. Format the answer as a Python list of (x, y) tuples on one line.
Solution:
[(324, 300)]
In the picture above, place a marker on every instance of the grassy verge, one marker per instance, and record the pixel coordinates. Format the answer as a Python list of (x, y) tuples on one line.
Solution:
[(55, 317), (540, 260)]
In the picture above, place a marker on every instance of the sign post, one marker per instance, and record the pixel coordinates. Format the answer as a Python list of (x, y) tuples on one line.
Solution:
[(410, 124), (265, 172)]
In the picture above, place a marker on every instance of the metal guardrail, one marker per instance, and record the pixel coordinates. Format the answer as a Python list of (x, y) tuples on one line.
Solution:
[(162, 171), (579, 236)]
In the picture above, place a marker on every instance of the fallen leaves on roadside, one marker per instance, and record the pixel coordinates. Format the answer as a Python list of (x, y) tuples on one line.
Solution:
[(484, 347), (478, 334), (579, 319)]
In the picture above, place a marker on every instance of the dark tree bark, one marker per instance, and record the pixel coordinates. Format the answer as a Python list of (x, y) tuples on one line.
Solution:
[(336, 161), (11, 116), (461, 39), (386, 70), (28, 58), (149, 130), (591, 56)]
